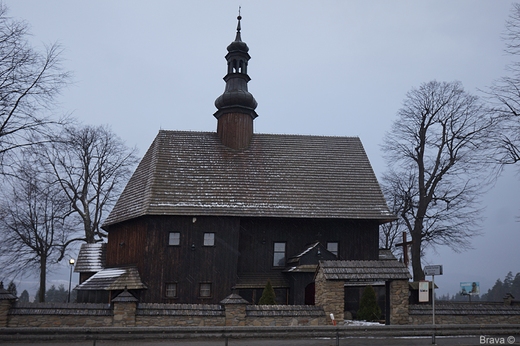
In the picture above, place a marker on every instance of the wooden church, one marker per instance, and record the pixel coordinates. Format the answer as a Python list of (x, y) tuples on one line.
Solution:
[(206, 214)]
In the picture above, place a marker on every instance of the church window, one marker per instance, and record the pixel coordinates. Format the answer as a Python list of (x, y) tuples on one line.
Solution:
[(333, 247), (171, 290), (205, 290), (174, 239), (209, 239), (279, 254)]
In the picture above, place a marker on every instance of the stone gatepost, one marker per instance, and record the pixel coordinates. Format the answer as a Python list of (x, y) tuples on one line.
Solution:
[(125, 306), (330, 295), (6, 301), (235, 307), (399, 304)]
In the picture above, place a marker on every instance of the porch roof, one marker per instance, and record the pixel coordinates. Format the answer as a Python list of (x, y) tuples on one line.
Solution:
[(110, 279), (364, 271)]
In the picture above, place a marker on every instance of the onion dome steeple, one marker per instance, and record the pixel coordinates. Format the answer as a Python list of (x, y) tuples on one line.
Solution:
[(236, 106)]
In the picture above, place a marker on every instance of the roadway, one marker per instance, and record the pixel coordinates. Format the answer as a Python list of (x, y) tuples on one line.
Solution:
[(343, 341)]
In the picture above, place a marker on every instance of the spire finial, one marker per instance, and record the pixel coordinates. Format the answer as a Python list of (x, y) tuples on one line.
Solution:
[(239, 38)]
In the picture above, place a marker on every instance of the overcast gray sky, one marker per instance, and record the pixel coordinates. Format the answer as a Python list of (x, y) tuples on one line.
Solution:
[(324, 67)]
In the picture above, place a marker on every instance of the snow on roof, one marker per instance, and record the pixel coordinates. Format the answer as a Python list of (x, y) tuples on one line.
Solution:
[(114, 279)]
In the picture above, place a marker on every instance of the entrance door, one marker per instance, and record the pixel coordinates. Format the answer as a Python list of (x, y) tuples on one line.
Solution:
[(309, 294)]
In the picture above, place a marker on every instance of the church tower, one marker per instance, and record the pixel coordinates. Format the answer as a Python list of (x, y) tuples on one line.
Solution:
[(236, 106)]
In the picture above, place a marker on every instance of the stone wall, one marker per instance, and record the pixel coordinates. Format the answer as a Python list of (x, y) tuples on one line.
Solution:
[(330, 295), (193, 315), (284, 315), (130, 314), (399, 293), (59, 315), (465, 313)]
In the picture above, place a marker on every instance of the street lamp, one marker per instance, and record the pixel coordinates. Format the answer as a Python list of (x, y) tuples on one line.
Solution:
[(71, 262)]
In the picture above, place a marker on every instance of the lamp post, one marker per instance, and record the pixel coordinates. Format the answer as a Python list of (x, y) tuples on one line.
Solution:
[(71, 262)]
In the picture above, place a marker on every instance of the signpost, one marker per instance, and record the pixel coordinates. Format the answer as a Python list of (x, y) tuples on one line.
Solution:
[(433, 270)]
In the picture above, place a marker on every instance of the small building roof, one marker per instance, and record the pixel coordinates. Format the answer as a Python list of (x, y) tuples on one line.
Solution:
[(234, 298), (91, 258), (125, 297), (364, 271), (307, 260), (110, 279), (192, 173)]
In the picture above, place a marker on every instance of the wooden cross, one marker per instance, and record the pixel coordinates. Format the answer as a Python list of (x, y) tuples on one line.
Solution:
[(405, 244)]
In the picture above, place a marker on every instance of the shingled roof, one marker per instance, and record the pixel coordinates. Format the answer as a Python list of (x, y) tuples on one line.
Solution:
[(364, 271), (192, 173), (91, 258), (114, 279)]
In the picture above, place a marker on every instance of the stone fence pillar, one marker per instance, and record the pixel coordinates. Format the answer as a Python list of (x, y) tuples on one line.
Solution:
[(6, 301), (125, 306), (235, 307), (399, 304), (330, 295)]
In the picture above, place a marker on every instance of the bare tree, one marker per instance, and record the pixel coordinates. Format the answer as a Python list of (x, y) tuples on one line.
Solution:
[(505, 96), (29, 83), (396, 193), (34, 224), (91, 164), (436, 152)]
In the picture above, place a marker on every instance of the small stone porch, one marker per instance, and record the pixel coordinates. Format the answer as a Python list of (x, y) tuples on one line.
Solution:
[(332, 276)]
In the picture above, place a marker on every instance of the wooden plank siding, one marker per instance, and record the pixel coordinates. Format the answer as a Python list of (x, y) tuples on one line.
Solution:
[(357, 240), (235, 130), (242, 245), (187, 265)]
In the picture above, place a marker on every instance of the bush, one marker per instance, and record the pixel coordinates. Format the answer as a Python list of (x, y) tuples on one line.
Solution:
[(368, 308), (268, 297)]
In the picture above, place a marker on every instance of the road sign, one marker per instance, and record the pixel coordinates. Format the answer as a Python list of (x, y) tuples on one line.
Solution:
[(424, 288), (433, 270)]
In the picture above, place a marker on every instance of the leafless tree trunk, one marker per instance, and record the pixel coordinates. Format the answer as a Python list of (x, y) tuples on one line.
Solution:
[(29, 84), (505, 96), (34, 225), (397, 193), (91, 164), (437, 151)]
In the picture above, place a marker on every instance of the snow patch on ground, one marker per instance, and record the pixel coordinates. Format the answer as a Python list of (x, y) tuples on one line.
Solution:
[(361, 323)]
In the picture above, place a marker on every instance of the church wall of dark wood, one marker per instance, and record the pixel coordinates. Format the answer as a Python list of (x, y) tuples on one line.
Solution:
[(126, 243), (241, 245), (188, 264), (358, 240), (192, 263)]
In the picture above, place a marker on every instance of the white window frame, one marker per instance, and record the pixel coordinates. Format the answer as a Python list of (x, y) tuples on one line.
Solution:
[(209, 239), (205, 290), (336, 252), (171, 286), (172, 237), (277, 251)]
